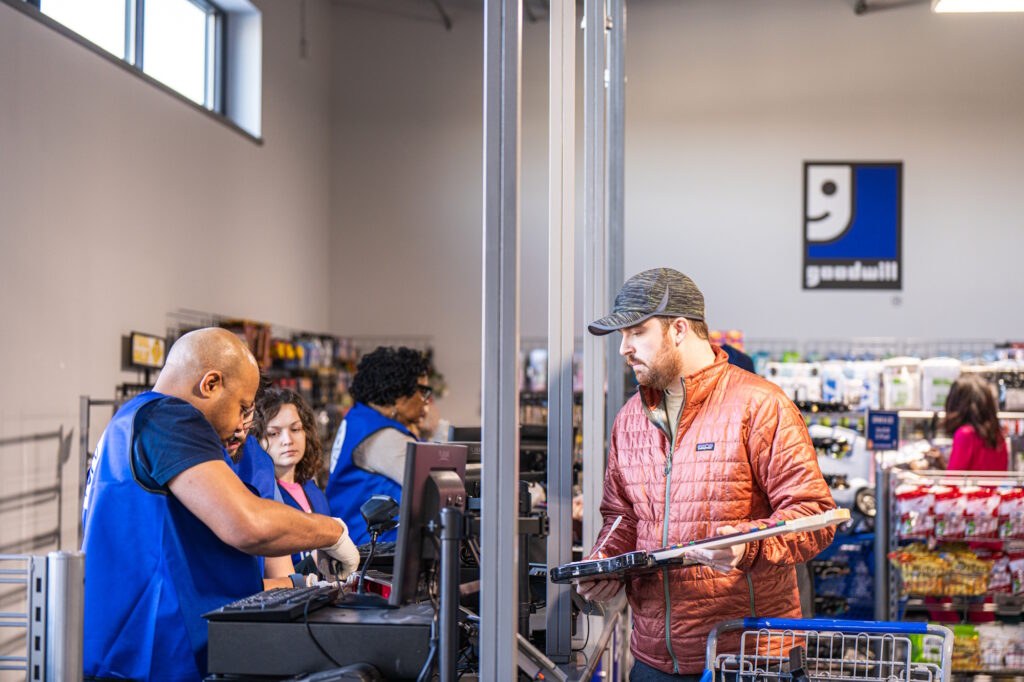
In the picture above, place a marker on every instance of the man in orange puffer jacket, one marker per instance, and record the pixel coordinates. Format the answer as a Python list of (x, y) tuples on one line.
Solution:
[(740, 454)]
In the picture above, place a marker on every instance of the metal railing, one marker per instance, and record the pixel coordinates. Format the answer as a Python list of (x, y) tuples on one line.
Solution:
[(53, 617)]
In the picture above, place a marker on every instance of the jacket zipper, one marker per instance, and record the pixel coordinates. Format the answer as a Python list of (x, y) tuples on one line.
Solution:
[(664, 532)]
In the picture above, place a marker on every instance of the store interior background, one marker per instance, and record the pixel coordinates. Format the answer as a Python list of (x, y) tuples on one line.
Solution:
[(359, 213)]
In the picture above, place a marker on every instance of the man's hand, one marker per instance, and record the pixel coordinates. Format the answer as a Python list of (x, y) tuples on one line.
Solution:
[(600, 589), (722, 560), (344, 551)]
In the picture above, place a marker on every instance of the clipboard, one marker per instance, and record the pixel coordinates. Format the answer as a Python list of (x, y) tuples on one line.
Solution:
[(641, 561)]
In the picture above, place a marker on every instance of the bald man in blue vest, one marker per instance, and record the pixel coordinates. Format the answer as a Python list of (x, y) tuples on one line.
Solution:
[(171, 532)]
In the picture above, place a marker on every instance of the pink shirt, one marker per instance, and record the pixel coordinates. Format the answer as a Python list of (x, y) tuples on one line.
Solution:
[(971, 453), (296, 491)]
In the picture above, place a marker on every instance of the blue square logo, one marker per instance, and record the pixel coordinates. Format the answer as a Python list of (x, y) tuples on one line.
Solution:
[(853, 223)]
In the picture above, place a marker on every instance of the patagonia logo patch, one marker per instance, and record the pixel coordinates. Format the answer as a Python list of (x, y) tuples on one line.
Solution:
[(703, 447)]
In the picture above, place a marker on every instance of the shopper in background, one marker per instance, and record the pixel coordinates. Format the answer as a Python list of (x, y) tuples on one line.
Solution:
[(286, 429), (703, 448), (392, 393), (170, 531), (972, 419)]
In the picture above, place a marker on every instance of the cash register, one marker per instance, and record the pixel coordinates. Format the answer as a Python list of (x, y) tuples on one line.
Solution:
[(281, 634)]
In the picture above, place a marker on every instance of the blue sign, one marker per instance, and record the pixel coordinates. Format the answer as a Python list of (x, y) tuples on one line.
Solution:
[(883, 431), (853, 222)]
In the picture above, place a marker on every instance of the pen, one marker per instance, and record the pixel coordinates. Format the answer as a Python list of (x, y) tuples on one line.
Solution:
[(615, 524)]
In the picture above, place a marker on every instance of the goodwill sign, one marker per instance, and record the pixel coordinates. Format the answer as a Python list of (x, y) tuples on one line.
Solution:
[(853, 220)]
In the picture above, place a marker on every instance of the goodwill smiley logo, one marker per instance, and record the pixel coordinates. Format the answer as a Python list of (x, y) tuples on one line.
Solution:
[(852, 225)]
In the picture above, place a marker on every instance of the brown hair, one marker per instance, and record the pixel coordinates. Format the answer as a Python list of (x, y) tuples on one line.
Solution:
[(972, 401), (267, 407), (699, 327)]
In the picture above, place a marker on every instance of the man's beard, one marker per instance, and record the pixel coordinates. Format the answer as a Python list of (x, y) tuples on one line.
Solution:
[(237, 454), (666, 368)]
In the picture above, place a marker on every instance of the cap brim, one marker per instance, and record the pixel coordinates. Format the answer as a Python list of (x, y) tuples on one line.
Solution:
[(616, 321)]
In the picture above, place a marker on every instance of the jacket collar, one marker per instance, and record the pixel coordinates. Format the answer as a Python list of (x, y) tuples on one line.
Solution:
[(699, 385)]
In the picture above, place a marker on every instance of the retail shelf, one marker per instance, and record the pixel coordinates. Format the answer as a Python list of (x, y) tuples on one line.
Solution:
[(996, 672), (930, 414), (958, 605)]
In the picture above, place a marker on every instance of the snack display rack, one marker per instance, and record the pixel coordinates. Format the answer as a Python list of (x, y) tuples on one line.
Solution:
[(953, 552)]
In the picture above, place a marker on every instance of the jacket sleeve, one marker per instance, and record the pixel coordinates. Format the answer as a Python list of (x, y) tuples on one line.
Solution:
[(615, 503), (785, 466)]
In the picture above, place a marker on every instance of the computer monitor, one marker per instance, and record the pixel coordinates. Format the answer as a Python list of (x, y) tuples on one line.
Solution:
[(434, 478), (463, 433), (472, 450)]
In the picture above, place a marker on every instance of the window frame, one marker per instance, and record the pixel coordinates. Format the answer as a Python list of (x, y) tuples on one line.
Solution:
[(215, 53)]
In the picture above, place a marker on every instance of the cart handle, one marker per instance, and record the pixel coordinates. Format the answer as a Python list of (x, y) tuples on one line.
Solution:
[(831, 625)]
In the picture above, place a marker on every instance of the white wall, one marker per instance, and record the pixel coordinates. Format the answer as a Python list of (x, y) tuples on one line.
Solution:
[(725, 100), (407, 144), (120, 204)]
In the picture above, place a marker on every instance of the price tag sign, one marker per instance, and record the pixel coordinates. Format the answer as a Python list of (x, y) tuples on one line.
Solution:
[(883, 431)]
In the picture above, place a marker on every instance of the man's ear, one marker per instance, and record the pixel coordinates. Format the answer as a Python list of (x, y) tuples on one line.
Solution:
[(211, 382), (682, 327)]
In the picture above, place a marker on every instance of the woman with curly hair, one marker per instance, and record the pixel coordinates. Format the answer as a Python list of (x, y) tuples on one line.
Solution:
[(392, 394), (286, 429), (972, 419)]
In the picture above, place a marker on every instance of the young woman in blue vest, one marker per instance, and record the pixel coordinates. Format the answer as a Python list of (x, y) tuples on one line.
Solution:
[(392, 395), (286, 428)]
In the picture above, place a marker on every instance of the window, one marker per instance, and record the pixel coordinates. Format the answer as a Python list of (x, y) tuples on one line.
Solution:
[(177, 42), (100, 21), (207, 51), (179, 46)]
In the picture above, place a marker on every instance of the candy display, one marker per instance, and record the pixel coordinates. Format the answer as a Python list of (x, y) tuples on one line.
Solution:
[(954, 572)]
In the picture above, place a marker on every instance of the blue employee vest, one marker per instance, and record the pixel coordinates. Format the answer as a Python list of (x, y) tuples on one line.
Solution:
[(317, 502), (350, 486), (151, 569), (256, 469)]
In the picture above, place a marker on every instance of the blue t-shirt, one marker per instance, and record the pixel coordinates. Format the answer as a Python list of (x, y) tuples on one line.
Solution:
[(170, 437)]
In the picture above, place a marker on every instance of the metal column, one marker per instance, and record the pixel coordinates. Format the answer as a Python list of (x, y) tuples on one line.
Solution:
[(595, 296), (499, 597), (451, 539), (614, 274), (65, 615), (561, 227)]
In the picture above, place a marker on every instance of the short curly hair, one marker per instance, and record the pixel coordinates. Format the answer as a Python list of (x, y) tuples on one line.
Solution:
[(387, 374), (267, 407)]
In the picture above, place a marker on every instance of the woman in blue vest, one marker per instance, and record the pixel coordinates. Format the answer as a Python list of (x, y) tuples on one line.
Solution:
[(392, 395), (286, 428)]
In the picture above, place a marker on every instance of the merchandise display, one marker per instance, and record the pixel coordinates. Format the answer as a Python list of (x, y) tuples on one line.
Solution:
[(893, 383)]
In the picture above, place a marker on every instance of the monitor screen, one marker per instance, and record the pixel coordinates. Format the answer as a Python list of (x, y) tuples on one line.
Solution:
[(464, 433), (432, 471)]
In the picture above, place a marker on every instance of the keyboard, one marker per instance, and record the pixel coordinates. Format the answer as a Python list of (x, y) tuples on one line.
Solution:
[(384, 550), (278, 605)]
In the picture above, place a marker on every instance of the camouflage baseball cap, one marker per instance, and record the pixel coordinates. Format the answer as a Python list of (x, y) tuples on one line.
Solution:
[(662, 292)]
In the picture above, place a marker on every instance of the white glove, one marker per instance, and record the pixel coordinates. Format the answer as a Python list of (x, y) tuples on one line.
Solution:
[(344, 551), (723, 560)]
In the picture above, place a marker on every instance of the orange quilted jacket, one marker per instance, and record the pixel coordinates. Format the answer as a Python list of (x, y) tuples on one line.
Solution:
[(742, 454)]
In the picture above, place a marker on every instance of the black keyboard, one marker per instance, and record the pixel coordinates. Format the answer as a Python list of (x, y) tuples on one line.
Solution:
[(384, 549), (280, 604)]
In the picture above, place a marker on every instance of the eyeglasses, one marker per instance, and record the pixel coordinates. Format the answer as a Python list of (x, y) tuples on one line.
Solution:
[(248, 416), (426, 391)]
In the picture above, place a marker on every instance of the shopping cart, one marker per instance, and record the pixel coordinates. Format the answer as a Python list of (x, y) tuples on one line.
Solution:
[(841, 650)]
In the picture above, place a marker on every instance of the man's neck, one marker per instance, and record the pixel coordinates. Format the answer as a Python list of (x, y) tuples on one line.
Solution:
[(697, 356)]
